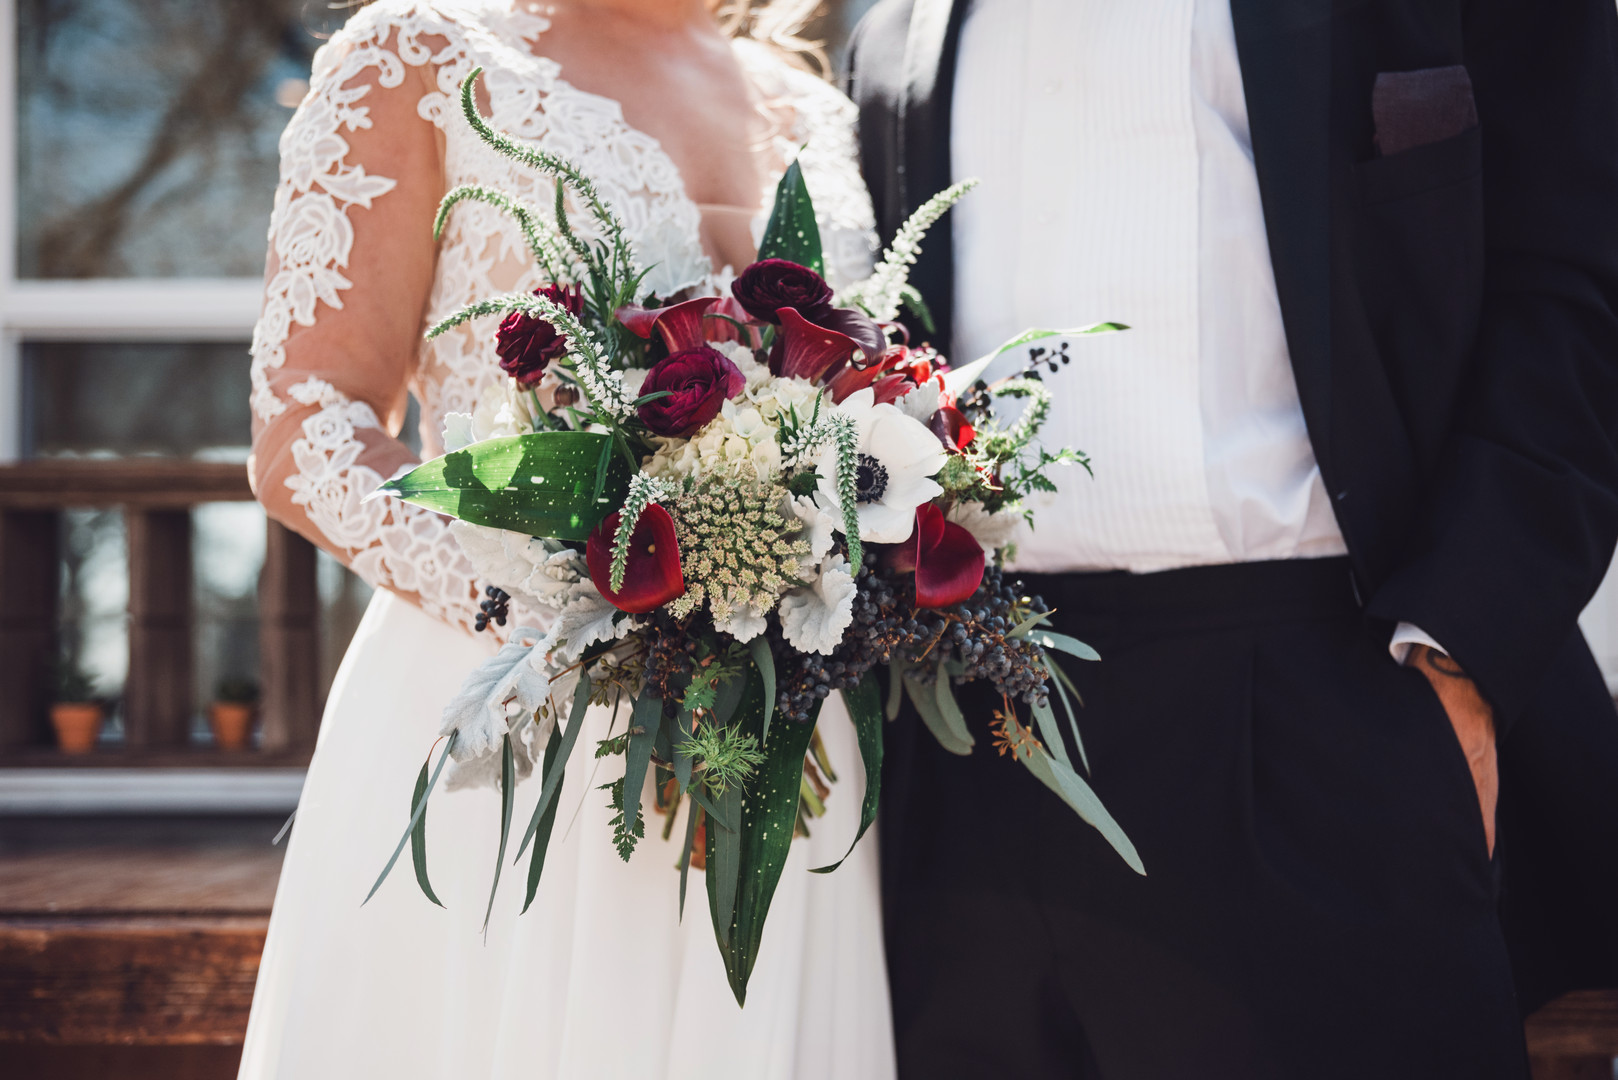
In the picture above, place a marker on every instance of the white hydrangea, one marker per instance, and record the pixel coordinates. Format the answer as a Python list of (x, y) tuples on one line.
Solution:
[(501, 411), (814, 619)]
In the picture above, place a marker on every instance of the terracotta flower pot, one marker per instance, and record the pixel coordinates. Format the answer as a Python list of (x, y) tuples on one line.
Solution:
[(232, 722), (77, 725)]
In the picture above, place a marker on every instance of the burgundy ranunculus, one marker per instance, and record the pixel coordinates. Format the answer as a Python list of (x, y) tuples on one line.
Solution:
[(699, 381), (948, 560), (651, 573), (772, 284), (526, 344)]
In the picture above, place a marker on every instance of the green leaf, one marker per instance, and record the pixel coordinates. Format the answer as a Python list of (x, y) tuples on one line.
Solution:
[(1050, 639), (1022, 628), (940, 713), (896, 671), (682, 752), (911, 298), (691, 811), (542, 484), (792, 233), (712, 808), (1045, 719), (725, 867), (764, 660), (418, 838), (554, 762), (1061, 778), (508, 795), (1063, 684), (864, 703), (957, 380), (421, 808), (643, 724), (767, 817), (547, 792)]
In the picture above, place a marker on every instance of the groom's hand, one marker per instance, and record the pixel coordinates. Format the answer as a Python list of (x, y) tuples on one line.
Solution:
[(1473, 721)]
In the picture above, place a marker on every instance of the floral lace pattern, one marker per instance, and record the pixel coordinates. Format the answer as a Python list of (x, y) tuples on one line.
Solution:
[(481, 252)]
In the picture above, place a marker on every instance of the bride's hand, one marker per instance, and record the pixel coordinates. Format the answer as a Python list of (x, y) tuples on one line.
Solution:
[(1473, 721)]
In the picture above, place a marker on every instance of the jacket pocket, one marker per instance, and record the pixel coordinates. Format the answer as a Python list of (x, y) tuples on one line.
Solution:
[(1421, 169)]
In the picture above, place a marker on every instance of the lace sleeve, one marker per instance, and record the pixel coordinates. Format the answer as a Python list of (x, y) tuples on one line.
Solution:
[(350, 268)]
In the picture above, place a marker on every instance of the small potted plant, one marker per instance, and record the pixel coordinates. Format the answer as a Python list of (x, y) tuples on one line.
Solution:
[(231, 714), (76, 715)]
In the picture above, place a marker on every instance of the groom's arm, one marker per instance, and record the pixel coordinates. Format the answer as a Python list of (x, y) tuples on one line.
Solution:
[(1523, 511)]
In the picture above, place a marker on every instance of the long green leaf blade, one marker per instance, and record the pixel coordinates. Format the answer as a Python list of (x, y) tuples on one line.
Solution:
[(764, 660), (421, 808), (957, 380), (1045, 720), (1061, 779), (508, 795), (725, 866), (793, 233), (542, 840), (418, 838), (1050, 639), (864, 703), (575, 721), (691, 811), (1059, 677), (542, 484), (644, 723)]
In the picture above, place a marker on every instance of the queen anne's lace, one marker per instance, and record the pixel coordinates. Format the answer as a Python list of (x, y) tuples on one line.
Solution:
[(482, 251)]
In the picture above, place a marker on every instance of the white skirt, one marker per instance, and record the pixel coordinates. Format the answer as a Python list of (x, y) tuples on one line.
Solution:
[(600, 979)]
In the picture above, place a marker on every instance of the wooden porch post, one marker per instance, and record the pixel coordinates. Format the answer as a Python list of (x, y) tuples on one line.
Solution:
[(158, 692), (29, 579), (289, 642)]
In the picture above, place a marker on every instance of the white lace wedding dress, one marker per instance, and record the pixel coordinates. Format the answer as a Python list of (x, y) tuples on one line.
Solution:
[(600, 978)]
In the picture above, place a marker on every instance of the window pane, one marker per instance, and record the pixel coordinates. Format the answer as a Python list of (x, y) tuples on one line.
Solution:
[(185, 399), (147, 131), (227, 552), (93, 637)]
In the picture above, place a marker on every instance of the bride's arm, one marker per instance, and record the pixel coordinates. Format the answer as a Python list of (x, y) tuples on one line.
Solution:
[(350, 267)]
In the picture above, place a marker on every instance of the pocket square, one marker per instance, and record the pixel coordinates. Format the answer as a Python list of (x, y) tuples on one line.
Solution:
[(1414, 108)]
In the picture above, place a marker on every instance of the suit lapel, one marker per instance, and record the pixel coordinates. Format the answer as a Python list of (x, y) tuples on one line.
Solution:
[(1285, 48)]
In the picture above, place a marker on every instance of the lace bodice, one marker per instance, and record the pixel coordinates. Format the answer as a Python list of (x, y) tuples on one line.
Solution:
[(320, 392)]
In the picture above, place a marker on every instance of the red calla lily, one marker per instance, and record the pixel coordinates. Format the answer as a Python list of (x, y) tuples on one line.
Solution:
[(949, 560), (652, 574), (810, 350), (682, 325), (952, 428)]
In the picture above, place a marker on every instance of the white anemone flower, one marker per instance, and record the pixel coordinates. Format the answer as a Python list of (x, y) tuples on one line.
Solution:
[(813, 619), (898, 456)]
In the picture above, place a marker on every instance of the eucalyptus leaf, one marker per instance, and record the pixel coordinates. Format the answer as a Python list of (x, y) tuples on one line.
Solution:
[(1063, 684), (1022, 628), (554, 762), (925, 699), (575, 721), (1061, 778), (1050, 639), (764, 660), (421, 808), (793, 233), (682, 753), (1045, 720), (712, 808), (864, 702), (896, 672), (767, 817), (557, 484), (508, 795), (418, 838)]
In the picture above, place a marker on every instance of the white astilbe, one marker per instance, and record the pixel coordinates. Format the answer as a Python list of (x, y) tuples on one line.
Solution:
[(882, 292), (814, 619)]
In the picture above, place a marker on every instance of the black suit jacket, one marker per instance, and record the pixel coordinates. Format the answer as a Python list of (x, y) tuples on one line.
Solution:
[(1450, 309), (1450, 315)]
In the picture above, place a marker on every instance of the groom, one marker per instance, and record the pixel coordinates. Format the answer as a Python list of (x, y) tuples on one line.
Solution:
[(1355, 479)]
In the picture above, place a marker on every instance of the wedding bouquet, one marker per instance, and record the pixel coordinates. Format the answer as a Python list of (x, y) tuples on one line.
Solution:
[(733, 506)]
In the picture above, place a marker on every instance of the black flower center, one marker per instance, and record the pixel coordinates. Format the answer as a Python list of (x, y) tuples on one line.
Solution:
[(870, 480)]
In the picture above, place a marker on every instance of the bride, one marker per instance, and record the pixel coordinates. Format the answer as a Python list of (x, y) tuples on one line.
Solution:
[(685, 131)]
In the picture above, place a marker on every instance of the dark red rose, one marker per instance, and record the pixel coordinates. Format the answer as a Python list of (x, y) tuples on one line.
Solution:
[(698, 380), (772, 284), (651, 573), (948, 559), (526, 344)]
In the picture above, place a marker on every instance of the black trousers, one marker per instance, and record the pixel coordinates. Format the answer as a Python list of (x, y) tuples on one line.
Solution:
[(1319, 900)]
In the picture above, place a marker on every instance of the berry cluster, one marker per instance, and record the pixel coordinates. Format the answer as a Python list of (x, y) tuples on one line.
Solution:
[(494, 609), (670, 654), (887, 624)]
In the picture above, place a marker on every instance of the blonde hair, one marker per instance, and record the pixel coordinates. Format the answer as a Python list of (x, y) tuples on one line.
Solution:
[(779, 24)]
